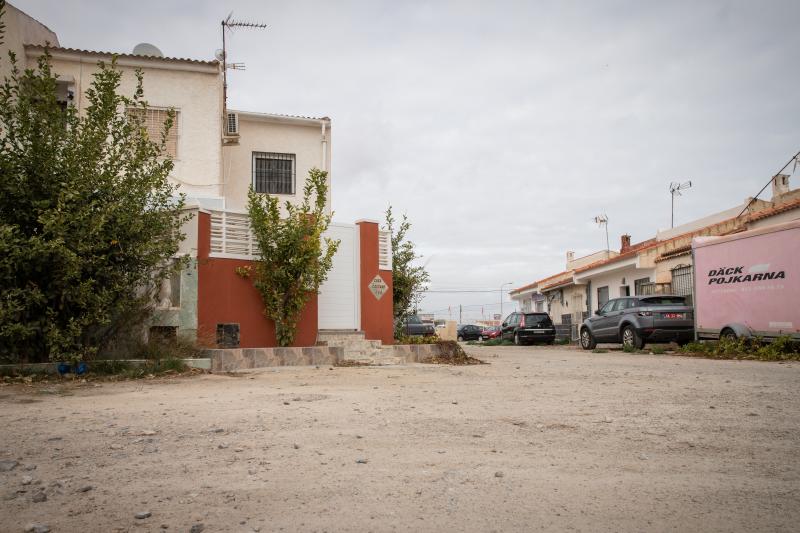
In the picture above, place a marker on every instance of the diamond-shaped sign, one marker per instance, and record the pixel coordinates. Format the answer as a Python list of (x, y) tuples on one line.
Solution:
[(378, 287)]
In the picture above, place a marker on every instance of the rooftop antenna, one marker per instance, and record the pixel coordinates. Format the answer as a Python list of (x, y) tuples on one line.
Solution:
[(602, 220), (675, 189), (222, 55)]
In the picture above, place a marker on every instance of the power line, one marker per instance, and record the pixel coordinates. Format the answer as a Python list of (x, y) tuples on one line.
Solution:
[(753, 199)]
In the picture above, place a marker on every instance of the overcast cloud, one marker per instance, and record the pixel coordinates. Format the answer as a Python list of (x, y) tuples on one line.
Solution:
[(503, 128)]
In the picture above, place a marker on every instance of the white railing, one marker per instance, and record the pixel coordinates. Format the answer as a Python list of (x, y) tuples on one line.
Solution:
[(231, 235), (384, 250)]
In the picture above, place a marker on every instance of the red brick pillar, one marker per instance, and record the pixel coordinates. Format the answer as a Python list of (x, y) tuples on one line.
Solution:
[(376, 310)]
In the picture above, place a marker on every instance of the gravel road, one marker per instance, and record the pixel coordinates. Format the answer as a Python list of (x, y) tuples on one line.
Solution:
[(548, 439)]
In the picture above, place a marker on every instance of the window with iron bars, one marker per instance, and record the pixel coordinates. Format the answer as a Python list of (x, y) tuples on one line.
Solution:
[(153, 123), (682, 282), (273, 173)]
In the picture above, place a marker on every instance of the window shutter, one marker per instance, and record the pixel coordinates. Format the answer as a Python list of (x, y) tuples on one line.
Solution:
[(232, 124)]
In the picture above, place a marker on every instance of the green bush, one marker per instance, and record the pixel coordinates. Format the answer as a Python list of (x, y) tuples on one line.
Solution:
[(498, 342), (781, 349), (417, 339), (658, 350), (89, 221)]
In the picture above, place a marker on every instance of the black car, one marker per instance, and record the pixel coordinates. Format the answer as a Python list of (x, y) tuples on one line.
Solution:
[(415, 327), (635, 321), (525, 328), (469, 333)]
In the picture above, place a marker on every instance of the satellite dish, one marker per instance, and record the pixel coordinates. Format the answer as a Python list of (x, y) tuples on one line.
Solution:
[(219, 54), (147, 49)]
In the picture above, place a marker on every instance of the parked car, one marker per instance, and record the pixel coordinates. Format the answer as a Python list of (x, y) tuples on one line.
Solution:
[(491, 332), (633, 321), (415, 327), (469, 332), (525, 328)]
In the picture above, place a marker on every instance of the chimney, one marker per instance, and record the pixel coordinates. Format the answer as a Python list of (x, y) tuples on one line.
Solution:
[(626, 243), (570, 258), (780, 185)]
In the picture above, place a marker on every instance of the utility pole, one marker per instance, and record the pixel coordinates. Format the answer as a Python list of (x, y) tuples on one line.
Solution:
[(459, 313)]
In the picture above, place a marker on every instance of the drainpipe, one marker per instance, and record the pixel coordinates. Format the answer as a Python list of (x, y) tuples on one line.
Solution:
[(324, 124)]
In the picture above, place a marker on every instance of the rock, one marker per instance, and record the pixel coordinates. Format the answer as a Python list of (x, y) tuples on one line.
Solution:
[(217, 430), (454, 403), (37, 528), (85, 488), (148, 432), (607, 420), (29, 467), (116, 446), (252, 471), (643, 457), (197, 528), (498, 474), (7, 465), (39, 497), (362, 461), (27, 480), (285, 403), (142, 515), (222, 445), (296, 446)]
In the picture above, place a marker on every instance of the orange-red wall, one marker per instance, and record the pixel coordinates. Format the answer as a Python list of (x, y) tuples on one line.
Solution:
[(376, 315), (225, 297)]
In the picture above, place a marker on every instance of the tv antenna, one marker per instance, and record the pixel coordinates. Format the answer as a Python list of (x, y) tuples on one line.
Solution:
[(229, 24), (675, 189), (602, 220)]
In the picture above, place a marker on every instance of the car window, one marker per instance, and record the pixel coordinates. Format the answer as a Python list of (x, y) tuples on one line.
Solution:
[(538, 319), (608, 307), (621, 304), (414, 319), (663, 300)]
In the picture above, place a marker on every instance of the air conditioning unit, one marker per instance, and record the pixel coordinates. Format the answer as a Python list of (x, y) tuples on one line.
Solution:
[(232, 124)]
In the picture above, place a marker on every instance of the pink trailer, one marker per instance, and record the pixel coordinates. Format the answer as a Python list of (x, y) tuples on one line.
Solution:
[(748, 284)]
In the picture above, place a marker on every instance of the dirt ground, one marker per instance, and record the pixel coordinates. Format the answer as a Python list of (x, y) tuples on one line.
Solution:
[(548, 439)]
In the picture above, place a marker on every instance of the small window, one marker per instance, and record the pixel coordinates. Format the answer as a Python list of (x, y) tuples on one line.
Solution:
[(273, 173), (602, 296), (228, 335), (232, 124), (153, 122)]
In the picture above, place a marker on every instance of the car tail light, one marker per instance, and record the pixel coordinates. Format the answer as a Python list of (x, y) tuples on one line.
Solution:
[(645, 313), (522, 322)]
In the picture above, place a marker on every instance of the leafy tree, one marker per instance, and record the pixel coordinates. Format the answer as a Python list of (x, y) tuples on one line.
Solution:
[(89, 223), (294, 258), (408, 280)]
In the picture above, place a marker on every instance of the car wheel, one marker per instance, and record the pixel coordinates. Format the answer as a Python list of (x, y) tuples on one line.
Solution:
[(728, 334), (460, 338), (632, 339), (588, 341), (516, 339)]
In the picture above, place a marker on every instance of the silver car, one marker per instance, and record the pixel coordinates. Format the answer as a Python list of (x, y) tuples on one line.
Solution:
[(633, 321)]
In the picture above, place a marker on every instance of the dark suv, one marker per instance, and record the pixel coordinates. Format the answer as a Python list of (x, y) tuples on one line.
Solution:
[(635, 321), (524, 328)]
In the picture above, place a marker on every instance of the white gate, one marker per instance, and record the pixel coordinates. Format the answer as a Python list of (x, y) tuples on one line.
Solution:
[(339, 298)]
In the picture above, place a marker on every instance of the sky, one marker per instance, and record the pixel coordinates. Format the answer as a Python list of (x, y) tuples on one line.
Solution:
[(502, 128)]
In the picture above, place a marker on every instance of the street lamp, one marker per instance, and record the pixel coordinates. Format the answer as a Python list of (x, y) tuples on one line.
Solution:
[(501, 297)]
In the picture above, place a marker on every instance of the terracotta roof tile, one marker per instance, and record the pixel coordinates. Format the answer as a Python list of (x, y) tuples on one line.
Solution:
[(134, 56)]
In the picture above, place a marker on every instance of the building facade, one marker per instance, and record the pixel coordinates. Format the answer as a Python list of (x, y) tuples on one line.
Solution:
[(218, 155)]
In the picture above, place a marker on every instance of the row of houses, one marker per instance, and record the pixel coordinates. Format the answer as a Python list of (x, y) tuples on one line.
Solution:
[(660, 265), (218, 154)]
